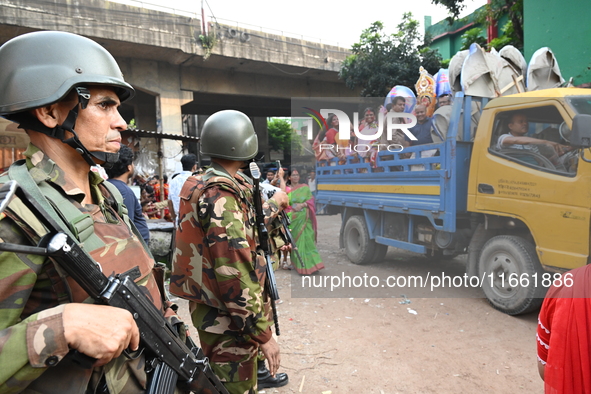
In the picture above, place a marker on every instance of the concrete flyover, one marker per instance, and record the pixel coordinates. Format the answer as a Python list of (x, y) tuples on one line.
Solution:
[(162, 56)]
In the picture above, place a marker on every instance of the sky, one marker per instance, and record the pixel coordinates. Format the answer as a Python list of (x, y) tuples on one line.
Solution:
[(316, 20)]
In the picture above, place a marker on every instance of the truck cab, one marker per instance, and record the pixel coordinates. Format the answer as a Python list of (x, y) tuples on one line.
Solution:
[(533, 204)]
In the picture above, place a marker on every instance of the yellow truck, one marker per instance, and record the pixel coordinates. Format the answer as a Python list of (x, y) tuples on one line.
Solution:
[(519, 207)]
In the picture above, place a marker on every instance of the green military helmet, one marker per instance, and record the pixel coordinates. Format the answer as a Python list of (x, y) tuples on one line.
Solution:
[(229, 135), (41, 68)]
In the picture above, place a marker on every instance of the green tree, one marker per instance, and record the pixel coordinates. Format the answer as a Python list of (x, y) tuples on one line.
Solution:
[(282, 137), (513, 9), (380, 61), (472, 36)]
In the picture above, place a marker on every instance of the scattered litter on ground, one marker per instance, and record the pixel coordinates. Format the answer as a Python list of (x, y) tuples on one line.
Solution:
[(412, 311), (302, 384)]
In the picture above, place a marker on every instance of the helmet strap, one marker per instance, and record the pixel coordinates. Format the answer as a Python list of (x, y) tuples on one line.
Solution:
[(58, 132)]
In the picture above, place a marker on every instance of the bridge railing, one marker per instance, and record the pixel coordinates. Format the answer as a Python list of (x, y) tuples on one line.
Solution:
[(197, 15), (273, 31)]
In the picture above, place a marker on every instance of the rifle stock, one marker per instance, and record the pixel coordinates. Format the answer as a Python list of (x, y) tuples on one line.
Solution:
[(286, 235)]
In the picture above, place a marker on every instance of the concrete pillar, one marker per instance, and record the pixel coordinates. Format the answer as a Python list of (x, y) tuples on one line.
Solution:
[(260, 126), (144, 108), (158, 103)]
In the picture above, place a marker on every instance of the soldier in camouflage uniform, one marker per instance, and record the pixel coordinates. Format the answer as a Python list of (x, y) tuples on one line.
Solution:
[(215, 264), (53, 83)]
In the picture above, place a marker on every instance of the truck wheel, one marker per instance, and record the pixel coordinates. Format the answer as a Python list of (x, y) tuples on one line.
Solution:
[(479, 238), (360, 249), (380, 252), (512, 275)]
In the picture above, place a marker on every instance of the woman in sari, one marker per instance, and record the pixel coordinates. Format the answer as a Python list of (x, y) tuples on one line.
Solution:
[(322, 151), (303, 226)]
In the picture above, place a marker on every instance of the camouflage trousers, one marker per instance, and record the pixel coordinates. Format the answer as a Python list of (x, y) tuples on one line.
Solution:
[(232, 358)]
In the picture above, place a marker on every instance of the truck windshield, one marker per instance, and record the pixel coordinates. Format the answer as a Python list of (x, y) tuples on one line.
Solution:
[(581, 104)]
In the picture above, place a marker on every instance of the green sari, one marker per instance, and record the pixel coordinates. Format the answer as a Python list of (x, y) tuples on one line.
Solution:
[(303, 230)]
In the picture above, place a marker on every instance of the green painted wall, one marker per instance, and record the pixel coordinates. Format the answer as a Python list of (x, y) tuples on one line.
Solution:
[(449, 44), (564, 27), (448, 38), (443, 46), (561, 25)]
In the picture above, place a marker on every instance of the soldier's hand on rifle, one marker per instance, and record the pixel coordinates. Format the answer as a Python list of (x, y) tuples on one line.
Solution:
[(99, 331), (281, 199), (271, 352)]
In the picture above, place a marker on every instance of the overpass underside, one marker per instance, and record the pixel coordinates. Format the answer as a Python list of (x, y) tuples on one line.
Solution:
[(208, 103), (162, 56)]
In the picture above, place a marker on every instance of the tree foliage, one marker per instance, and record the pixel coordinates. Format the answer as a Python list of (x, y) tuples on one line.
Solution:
[(474, 35), (380, 61), (493, 11), (282, 138)]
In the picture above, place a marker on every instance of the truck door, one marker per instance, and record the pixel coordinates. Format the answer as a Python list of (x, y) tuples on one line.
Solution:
[(538, 179)]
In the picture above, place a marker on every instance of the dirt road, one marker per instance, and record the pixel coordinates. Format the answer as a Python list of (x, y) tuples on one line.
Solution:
[(376, 341)]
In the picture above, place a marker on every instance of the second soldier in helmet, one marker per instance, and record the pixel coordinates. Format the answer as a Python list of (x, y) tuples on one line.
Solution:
[(216, 266)]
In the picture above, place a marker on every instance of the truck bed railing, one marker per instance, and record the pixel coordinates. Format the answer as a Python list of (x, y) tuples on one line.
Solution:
[(432, 182)]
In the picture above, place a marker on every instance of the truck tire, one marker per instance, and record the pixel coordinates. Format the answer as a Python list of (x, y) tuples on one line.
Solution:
[(506, 263), (380, 252), (360, 249), (479, 238)]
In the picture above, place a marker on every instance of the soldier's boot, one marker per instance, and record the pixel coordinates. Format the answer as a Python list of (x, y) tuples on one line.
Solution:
[(265, 380)]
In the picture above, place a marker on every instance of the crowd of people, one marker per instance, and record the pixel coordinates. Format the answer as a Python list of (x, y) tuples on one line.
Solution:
[(327, 145), (301, 212), (48, 320)]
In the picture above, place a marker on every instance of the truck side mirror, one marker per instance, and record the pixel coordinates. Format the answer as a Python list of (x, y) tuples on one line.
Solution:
[(581, 131)]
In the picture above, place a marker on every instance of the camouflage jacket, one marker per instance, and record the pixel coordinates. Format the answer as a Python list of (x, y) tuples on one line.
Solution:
[(215, 261), (33, 292)]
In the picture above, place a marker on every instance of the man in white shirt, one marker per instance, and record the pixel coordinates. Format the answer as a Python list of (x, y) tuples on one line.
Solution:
[(189, 163), (517, 138)]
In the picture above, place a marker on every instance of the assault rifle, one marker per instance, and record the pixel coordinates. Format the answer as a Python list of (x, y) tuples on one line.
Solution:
[(289, 238), (270, 283), (169, 361), (284, 219)]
